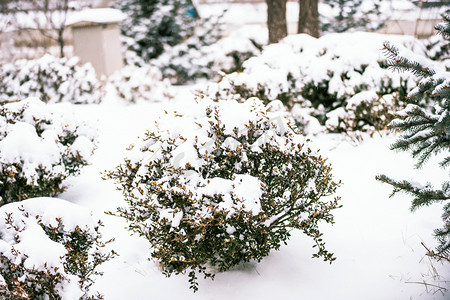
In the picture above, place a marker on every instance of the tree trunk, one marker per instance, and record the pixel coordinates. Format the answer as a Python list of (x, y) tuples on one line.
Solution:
[(308, 20), (61, 41), (276, 20)]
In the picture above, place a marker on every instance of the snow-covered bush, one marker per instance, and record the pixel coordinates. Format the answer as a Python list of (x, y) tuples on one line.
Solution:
[(221, 184), (196, 58), (49, 249), (40, 145), (325, 73), (51, 79), (139, 83), (365, 112)]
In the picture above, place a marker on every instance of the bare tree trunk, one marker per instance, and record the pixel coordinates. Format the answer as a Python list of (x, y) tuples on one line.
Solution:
[(276, 20), (308, 20), (61, 41)]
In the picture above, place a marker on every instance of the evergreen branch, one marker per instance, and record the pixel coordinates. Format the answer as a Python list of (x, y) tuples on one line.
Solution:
[(444, 27), (445, 162), (423, 195), (425, 86), (442, 89), (401, 63), (443, 234), (424, 151), (424, 133)]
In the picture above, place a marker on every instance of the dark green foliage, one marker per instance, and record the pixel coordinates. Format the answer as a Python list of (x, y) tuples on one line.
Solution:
[(218, 230), (14, 187), (39, 283), (318, 94), (206, 54), (425, 132)]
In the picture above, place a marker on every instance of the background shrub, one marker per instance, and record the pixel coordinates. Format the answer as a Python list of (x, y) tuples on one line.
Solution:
[(139, 83), (50, 79), (322, 75), (365, 112), (49, 249), (40, 145), (223, 184)]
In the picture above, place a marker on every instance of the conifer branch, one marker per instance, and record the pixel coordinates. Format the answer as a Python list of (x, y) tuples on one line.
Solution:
[(400, 63), (425, 131)]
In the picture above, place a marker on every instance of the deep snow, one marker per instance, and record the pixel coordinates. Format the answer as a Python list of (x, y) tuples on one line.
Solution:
[(377, 240)]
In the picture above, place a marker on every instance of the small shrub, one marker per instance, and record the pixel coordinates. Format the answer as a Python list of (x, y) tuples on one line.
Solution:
[(50, 79), (40, 146), (49, 249), (136, 84), (364, 112), (223, 184)]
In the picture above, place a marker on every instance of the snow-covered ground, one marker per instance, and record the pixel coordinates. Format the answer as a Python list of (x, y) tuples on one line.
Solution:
[(377, 240)]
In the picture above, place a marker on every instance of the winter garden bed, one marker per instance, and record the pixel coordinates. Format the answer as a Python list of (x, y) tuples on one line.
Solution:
[(182, 157)]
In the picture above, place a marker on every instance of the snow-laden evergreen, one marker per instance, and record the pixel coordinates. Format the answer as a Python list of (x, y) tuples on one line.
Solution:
[(151, 26), (425, 132), (205, 56), (353, 15)]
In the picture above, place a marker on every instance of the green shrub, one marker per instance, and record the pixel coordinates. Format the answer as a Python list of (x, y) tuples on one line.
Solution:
[(40, 146), (49, 249), (223, 184), (200, 57), (152, 25)]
